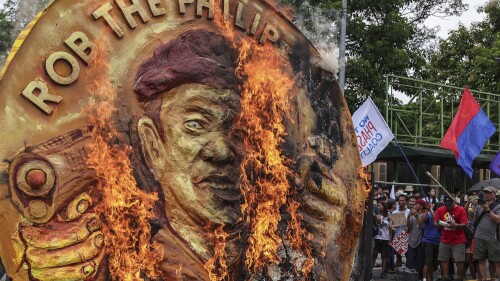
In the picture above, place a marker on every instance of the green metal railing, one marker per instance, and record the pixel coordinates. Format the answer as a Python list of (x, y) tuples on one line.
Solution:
[(424, 119)]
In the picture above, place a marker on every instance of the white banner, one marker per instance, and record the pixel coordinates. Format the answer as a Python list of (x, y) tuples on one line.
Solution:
[(400, 243), (372, 133)]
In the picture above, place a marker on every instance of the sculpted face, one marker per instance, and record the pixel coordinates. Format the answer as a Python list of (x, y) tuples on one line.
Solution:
[(183, 147), (193, 157)]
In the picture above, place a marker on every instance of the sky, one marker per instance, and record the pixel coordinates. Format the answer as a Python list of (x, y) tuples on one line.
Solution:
[(451, 23)]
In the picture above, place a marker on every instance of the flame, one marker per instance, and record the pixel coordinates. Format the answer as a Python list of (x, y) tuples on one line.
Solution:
[(365, 177), (178, 272), (217, 265), (124, 208), (266, 96), (265, 103)]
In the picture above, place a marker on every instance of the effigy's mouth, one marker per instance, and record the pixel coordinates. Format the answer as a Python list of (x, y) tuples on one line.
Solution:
[(222, 186)]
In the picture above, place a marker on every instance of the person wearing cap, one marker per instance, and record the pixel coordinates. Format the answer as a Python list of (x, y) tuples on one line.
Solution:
[(399, 190), (486, 243), (409, 190), (414, 224), (452, 220)]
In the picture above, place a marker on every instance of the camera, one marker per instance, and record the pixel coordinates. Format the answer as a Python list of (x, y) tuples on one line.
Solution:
[(480, 198)]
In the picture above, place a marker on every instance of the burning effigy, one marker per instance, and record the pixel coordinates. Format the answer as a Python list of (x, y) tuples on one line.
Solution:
[(174, 140)]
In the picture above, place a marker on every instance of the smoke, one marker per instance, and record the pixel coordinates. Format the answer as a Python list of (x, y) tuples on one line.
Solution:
[(321, 28)]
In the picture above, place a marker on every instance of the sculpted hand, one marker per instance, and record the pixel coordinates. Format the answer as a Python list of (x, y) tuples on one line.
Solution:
[(69, 247), (323, 201)]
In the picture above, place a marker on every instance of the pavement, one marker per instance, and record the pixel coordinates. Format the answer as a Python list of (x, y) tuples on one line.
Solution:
[(377, 270)]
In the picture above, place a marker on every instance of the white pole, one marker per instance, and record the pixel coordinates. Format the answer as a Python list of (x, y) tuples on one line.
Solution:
[(343, 23)]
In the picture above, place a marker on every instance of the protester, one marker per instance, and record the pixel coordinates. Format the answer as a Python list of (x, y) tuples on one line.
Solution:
[(414, 223), (459, 197), (377, 191), (399, 191), (431, 198), (486, 245), (469, 260), (452, 220), (409, 190), (385, 190), (402, 202), (430, 242), (382, 238), (391, 268)]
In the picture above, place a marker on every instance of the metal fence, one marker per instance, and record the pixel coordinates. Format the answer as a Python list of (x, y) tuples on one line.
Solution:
[(419, 112)]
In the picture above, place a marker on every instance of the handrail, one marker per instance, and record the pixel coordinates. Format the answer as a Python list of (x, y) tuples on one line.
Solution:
[(424, 119)]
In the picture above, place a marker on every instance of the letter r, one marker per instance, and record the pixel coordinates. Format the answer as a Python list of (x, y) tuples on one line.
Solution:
[(44, 95)]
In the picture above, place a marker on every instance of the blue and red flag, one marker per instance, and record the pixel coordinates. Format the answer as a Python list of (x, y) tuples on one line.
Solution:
[(495, 164), (469, 131)]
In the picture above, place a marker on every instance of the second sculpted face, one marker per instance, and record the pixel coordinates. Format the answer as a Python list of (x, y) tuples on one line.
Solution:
[(194, 158)]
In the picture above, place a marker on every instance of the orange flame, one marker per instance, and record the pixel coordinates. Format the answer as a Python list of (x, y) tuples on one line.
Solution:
[(217, 265), (266, 95), (265, 103), (365, 177), (124, 208)]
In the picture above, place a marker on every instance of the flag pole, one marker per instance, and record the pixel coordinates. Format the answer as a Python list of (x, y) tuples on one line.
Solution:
[(411, 168)]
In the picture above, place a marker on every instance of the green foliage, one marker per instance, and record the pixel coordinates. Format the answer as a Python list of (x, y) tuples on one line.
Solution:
[(465, 58), (5, 33), (384, 37), (7, 16), (388, 37), (11, 9)]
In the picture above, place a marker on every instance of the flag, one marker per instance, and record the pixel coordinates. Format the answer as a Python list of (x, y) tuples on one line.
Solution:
[(393, 194), (372, 133), (495, 164), (469, 131)]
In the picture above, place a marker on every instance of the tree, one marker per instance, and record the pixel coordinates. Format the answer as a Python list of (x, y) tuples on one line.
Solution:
[(466, 57), (14, 16), (5, 33), (385, 37), (388, 37)]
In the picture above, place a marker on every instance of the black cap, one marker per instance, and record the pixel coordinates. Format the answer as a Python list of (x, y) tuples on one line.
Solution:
[(448, 201)]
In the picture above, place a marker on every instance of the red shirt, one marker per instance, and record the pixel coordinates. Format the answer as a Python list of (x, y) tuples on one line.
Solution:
[(450, 236)]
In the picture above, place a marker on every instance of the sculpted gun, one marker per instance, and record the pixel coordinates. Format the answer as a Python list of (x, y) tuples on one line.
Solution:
[(44, 178)]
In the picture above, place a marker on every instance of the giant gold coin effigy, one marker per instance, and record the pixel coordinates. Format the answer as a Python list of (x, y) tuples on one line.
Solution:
[(174, 139)]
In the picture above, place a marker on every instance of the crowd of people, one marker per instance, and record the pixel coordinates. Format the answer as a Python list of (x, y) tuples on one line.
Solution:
[(442, 234)]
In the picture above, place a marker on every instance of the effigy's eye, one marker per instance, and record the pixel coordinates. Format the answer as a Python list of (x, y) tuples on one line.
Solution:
[(194, 125)]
